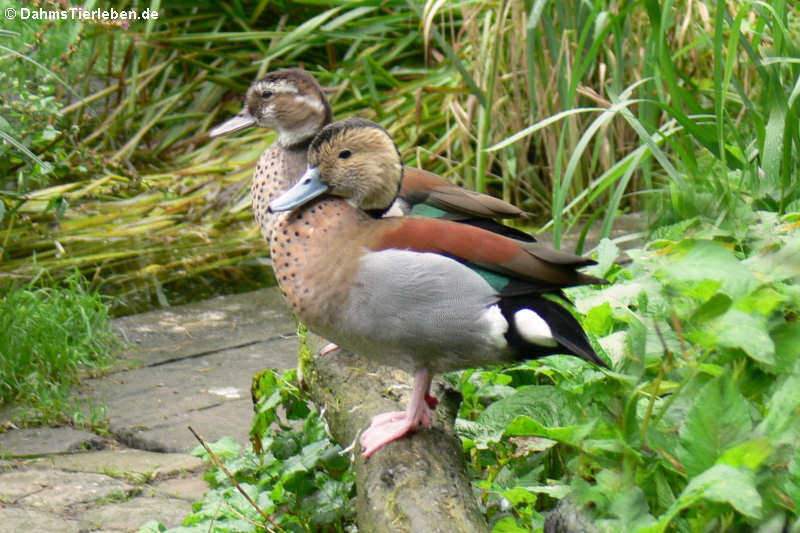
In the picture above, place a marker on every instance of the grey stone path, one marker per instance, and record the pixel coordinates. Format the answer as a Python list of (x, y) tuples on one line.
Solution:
[(187, 365)]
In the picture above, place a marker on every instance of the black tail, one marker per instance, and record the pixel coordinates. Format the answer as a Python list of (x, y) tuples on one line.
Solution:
[(565, 329)]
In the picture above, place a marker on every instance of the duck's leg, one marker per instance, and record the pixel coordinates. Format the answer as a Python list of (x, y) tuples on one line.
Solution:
[(390, 426)]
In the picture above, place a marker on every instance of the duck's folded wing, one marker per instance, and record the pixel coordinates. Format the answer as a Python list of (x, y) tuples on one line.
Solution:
[(528, 261), (427, 303), (420, 186)]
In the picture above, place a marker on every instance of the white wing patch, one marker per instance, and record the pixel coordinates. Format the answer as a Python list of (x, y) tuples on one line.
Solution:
[(533, 328), (498, 326)]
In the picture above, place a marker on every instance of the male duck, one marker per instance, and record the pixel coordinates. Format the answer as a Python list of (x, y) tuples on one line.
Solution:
[(405, 290), (292, 103)]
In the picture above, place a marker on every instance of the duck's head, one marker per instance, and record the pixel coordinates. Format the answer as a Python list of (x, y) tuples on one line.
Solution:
[(355, 159), (290, 101)]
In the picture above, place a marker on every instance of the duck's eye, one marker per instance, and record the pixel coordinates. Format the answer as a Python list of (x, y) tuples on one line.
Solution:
[(344, 154), (266, 94)]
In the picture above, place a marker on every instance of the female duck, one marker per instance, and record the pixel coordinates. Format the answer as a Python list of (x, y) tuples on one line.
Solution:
[(405, 290)]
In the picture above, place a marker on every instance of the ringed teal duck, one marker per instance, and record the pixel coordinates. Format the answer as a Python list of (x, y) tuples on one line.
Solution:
[(426, 295), (292, 103)]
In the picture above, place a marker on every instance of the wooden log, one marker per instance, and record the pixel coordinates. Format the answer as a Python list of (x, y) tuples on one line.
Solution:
[(416, 484)]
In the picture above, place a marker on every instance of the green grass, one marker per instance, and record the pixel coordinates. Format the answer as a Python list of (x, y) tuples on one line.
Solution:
[(49, 337)]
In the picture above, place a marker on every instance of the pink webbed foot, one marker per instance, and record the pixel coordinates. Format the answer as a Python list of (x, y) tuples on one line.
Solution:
[(390, 426), (328, 348), (386, 427)]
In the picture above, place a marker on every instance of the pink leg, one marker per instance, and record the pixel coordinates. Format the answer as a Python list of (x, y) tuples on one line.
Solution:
[(328, 348), (386, 427)]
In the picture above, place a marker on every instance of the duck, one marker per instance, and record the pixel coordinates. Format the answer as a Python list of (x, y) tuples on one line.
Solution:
[(292, 103), (426, 295)]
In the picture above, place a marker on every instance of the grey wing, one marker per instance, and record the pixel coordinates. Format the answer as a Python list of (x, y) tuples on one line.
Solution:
[(423, 306)]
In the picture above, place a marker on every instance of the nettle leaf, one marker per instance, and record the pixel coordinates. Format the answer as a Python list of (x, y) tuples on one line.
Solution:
[(599, 320), (719, 419), (783, 410), (549, 405), (749, 454), (737, 329), (724, 484), (607, 253), (525, 426), (763, 300), (787, 345), (707, 260), (712, 308)]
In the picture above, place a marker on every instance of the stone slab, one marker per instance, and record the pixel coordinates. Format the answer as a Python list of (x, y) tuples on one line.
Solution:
[(15, 520), (131, 514), (136, 465), (150, 407), (54, 491), (29, 442), (189, 330), (191, 489)]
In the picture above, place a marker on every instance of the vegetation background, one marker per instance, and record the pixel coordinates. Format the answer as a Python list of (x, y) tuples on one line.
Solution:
[(684, 110)]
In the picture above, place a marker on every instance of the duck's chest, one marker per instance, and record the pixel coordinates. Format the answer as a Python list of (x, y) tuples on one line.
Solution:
[(315, 255), (276, 170)]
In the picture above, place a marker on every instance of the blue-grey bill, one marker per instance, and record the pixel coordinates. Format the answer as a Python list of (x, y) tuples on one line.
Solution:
[(241, 121), (309, 187)]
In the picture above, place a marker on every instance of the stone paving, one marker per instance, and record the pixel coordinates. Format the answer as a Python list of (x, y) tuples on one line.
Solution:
[(187, 365)]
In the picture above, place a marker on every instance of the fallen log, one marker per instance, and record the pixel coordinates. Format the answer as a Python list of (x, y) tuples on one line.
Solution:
[(416, 484)]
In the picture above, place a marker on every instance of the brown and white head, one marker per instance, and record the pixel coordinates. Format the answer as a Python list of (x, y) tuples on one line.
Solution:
[(289, 101)]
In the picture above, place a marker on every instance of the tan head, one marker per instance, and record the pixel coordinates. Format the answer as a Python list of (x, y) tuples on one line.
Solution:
[(290, 101), (355, 159)]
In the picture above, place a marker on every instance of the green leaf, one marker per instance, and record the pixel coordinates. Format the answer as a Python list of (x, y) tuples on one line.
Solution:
[(720, 483), (706, 260), (783, 411), (508, 525), (713, 308), (599, 320), (749, 454), (725, 484), (787, 345), (545, 403), (607, 253), (525, 426), (718, 419), (737, 329)]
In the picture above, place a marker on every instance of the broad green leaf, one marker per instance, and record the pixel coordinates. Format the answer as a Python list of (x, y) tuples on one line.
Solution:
[(749, 454), (720, 483), (726, 484), (712, 308), (783, 410), (737, 329), (700, 260), (787, 345), (508, 525), (551, 406), (718, 419), (607, 253), (599, 320), (525, 426)]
